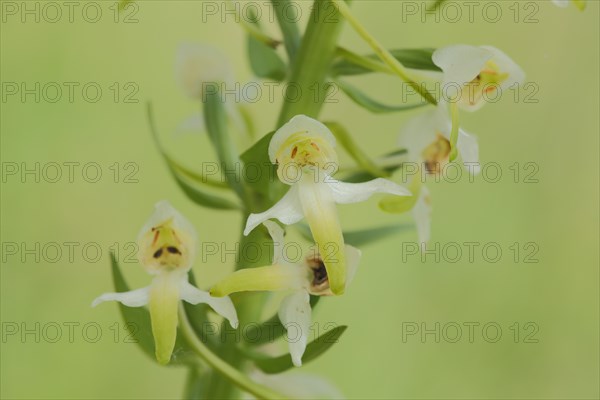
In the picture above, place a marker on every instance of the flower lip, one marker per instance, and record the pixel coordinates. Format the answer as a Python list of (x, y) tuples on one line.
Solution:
[(167, 241), (435, 156), (319, 281)]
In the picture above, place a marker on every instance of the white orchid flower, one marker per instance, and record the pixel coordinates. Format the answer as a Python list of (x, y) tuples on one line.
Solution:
[(197, 67), (474, 74), (580, 4), (427, 139), (167, 250), (302, 280), (304, 151)]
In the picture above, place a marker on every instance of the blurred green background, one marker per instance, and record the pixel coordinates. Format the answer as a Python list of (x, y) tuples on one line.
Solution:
[(559, 133)]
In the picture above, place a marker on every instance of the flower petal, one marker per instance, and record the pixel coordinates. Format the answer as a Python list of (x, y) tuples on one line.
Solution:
[(353, 259), (269, 278), (461, 63), (420, 131), (468, 148), (193, 123), (197, 64), (346, 193), (222, 305), (506, 65), (287, 210), (164, 300), (295, 316), (422, 215), (133, 298), (318, 205), (561, 3), (276, 233), (299, 124)]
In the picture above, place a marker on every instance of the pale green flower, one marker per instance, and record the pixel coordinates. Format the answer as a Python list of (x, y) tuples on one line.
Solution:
[(301, 280), (472, 74), (167, 250), (197, 66), (427, 139), (304, 151)]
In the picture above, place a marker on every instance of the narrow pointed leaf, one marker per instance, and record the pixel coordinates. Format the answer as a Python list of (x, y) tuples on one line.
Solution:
[(201, 197), (370, 104), (363, 237), (410, 58), (261, 174), (345, 139), (220, 136), (197, 195), (314, 349), (264, 61), (435, 5), (390, 164)]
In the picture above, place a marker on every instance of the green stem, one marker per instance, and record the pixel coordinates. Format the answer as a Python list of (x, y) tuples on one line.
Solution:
[(286, 18), (236, 377), (252, 29), (307, 90), (382, 52)]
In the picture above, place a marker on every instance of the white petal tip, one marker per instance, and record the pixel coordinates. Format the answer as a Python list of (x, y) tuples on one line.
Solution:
[(234, 324), (96, 302)]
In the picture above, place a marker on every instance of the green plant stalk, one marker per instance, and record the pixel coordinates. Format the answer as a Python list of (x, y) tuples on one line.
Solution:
[(309, 69), (252, 29), (381, 51), (288, 26), (307, 90), (236, 377)]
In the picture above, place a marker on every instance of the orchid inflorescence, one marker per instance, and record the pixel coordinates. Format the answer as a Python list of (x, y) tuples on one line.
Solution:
[(301, 184)]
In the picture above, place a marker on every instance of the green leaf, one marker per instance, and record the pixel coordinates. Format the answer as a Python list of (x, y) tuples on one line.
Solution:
[(264, 61), (370, 104), (220, 136), (195, 194), (196, 177), (261, 175), (435, 5), (345, 139), (137, 321), (389, 164), (314, 349), (201, 197), (363, 237), (410, 58)]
